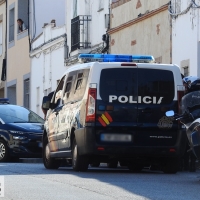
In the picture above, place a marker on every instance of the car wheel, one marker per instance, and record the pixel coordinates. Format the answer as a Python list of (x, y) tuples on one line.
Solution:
[(170, 166), (4, 155), (79, 163), (49, 163), (135, 167), (112, 164), (95, 164)]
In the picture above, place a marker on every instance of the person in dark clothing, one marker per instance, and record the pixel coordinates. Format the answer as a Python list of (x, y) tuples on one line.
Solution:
[(21, 25), (189, 159)]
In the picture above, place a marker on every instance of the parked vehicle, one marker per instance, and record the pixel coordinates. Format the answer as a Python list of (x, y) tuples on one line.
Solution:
[(20, 132), (190, 119), (113, 110)]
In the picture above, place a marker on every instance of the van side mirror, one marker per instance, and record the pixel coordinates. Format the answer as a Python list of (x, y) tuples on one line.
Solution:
[(169, 113), (46, 103)]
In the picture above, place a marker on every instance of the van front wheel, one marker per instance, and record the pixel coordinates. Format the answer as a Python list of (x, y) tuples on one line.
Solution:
[(79, 163), (49, 163)]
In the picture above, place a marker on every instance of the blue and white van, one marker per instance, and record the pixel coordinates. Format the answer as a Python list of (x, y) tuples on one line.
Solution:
[(113, 110)]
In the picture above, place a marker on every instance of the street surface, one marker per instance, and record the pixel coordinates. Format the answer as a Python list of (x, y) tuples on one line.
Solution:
[(33, 182)]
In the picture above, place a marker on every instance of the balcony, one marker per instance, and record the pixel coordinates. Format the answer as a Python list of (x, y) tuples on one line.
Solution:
[(80, 29)]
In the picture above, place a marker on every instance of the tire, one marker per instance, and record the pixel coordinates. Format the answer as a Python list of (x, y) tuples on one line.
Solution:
[(170, 166), (135, 167), (95, 164), (79, 163), (112, 164), (4, 155), (49, 163)]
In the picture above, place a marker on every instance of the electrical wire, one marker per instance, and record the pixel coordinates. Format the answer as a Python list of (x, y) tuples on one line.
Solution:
[(174, 15)]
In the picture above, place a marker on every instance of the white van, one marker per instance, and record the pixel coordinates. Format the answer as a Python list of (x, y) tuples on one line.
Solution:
[(113, 110)]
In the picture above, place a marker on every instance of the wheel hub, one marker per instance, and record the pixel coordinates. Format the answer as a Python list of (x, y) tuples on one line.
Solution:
[(2, 150), (47, 152)]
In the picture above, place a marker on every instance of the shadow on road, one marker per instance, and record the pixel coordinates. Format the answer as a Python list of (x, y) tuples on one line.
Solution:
[(148, 184)]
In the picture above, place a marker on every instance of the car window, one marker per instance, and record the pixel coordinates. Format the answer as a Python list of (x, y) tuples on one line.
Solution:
[(156, 84), (118, 82), (80, 84), (75, 85), (59, 93), (18, 114), (132, 82)]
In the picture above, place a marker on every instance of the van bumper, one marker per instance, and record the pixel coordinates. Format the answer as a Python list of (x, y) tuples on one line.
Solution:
[(88, 145)]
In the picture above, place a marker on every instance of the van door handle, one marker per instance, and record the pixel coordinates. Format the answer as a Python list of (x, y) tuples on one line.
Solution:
[(147, 110)]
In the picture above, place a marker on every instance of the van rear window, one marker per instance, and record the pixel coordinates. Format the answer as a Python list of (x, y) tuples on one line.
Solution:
[(135, 82)]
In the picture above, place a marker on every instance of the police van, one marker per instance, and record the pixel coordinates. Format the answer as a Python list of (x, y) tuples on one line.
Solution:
[(111, 108)]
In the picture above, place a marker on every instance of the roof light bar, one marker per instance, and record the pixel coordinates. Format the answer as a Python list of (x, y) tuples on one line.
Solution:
[(4, 100), (116, 58)]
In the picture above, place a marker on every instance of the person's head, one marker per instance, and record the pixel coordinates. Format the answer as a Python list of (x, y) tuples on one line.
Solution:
[(20, 22), (191, 83)]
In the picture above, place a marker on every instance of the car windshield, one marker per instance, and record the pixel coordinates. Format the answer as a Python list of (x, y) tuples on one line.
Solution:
[(18, 114)]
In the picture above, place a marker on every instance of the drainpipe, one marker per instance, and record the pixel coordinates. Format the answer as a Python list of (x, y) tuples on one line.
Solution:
[(5, 84), (29, 26)]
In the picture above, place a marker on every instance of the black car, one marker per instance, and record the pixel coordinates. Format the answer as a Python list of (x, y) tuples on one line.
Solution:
[(20, 132)]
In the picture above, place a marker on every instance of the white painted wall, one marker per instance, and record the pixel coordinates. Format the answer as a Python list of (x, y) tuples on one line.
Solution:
[(47, 65), (185, 38), (89, 7), (45, 11)]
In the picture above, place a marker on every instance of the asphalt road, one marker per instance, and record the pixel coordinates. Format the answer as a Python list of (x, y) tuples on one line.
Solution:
[(32, 181)]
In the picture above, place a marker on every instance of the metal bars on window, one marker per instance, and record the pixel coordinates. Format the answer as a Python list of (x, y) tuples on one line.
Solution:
[(80, 32)]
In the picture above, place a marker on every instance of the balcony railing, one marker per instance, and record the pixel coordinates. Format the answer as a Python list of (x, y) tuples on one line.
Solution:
[(80, 32)]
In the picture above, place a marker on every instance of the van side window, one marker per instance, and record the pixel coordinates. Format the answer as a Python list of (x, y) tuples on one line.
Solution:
[(79, 81), (80, 84), (68, 87), (58, 94)]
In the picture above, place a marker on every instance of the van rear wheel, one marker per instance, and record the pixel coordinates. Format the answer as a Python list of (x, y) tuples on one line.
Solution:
[(170, 166), (79, 163), (49, 163)]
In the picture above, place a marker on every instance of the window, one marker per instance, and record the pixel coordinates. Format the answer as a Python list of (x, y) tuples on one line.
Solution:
[(23, 12), (11, 24), (156, 83), (1, 38), (79, 84), (137, 82), (26, 93), (79, 81), (118, 82), (58, 93)]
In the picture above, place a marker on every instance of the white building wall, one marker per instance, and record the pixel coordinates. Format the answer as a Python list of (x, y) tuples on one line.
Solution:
[(47, 65), (185, 37), (97, 9), (45, 11)]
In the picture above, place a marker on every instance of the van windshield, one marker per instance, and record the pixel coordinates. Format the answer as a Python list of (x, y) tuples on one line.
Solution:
[(152, 83)]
